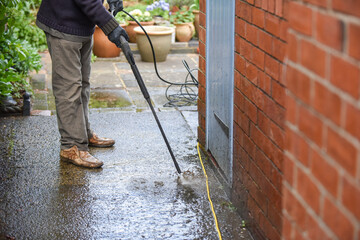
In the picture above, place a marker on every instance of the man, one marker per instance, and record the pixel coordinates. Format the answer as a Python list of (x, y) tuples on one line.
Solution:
[(69, 26)]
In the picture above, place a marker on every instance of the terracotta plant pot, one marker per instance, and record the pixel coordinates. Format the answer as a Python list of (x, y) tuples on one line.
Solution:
[(184, 31), (161, 40), (130, 29), (103, 48)]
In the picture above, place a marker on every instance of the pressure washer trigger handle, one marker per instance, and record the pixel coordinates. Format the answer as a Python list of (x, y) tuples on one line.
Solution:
[(126, 50)]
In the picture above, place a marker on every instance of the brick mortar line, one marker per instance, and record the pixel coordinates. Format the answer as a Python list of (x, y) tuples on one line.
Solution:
[(329, 50), (344, 95), (324, 194), (342, 172), (308, 210), (240, 90)]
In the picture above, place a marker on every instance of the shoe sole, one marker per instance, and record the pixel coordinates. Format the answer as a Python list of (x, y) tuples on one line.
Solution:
[(101, 146), (70, 161)]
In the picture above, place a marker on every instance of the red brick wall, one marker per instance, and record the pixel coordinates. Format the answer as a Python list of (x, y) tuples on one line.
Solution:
[(321, 193), (259, 114), (202, 73), (296, 117)]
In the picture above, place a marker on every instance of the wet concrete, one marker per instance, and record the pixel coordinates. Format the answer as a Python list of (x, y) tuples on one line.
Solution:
[(136, 195)]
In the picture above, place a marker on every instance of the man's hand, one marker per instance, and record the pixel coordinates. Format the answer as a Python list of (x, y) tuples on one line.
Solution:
[(114, 36), (115, 6)]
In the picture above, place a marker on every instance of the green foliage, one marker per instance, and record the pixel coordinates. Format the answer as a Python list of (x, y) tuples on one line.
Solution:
[(182, 16), (195, 5), (180, 3), (17, 56), (24, 27)]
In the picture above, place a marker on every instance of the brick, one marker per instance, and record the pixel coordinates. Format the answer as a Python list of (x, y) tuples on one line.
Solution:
[(291, 110), (300, 18), (202, 93), (351, 198), (202, 5), (348, 6), (251, 72), (258, 58), (278, 93), (325, 173), (252, 33), (298, 83), (240, 27), (250, 110), (242, 120), (314, 231), (342, 150), (345, 76), (271, 6), (320, 3), (270, 231), (244, 10), (284, 26), (273, 110), (202, 34), (264, 82), (288, 170), (308, 190), (313, 58), (302, 151), (202, 64), (292, 47), (240, 64), (279, 7), (352, 119), (327, 26), (272, 24), (202, 49), (258, 17), (202, 78), (287, 228), (311, 126), (273, 131), (265, 42), (245, 49), (268, 168), (337, 221), (278, 49), (354, 36), (322, 98), (295, 210), (264, 143), (272, 67), (202, 19)]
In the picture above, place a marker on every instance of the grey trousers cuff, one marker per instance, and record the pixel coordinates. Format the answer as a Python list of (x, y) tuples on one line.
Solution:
[(109, 26)]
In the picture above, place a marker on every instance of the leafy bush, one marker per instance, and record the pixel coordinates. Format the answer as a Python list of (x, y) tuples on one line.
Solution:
[(17, 56), (24, 27), (182, 16)]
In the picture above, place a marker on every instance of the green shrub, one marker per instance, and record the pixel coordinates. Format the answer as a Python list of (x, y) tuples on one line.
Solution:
[(17, 56)]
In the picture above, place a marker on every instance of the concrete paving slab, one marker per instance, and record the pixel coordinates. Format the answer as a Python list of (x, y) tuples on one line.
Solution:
[(136, 195)]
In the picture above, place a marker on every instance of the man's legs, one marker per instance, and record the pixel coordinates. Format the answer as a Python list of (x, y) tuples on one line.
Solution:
[(69, 92)]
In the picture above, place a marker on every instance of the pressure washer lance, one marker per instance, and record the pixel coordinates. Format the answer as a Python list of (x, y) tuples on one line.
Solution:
[(129, 57)]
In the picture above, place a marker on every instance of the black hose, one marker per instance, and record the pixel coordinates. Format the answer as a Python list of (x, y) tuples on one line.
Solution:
[(186, 96)]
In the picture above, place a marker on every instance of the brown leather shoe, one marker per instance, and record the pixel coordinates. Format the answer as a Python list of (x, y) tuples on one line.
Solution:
[(79, 158), (97, 141)]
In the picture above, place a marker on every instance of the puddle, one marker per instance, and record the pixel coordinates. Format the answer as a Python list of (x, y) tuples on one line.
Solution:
[(109, 99)]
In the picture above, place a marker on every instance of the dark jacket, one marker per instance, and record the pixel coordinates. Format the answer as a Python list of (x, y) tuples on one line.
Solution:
[(76, 17)]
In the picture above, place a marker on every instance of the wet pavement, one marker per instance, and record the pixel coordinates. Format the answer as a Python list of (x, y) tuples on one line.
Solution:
[(137, 194)]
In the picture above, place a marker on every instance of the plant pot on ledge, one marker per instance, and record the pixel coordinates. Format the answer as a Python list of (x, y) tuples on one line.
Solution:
[(130, 29), (103, 47), (184, 31), (161, 40)]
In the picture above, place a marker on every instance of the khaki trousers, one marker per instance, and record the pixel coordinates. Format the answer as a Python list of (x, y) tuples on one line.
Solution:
[(71, 88)]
